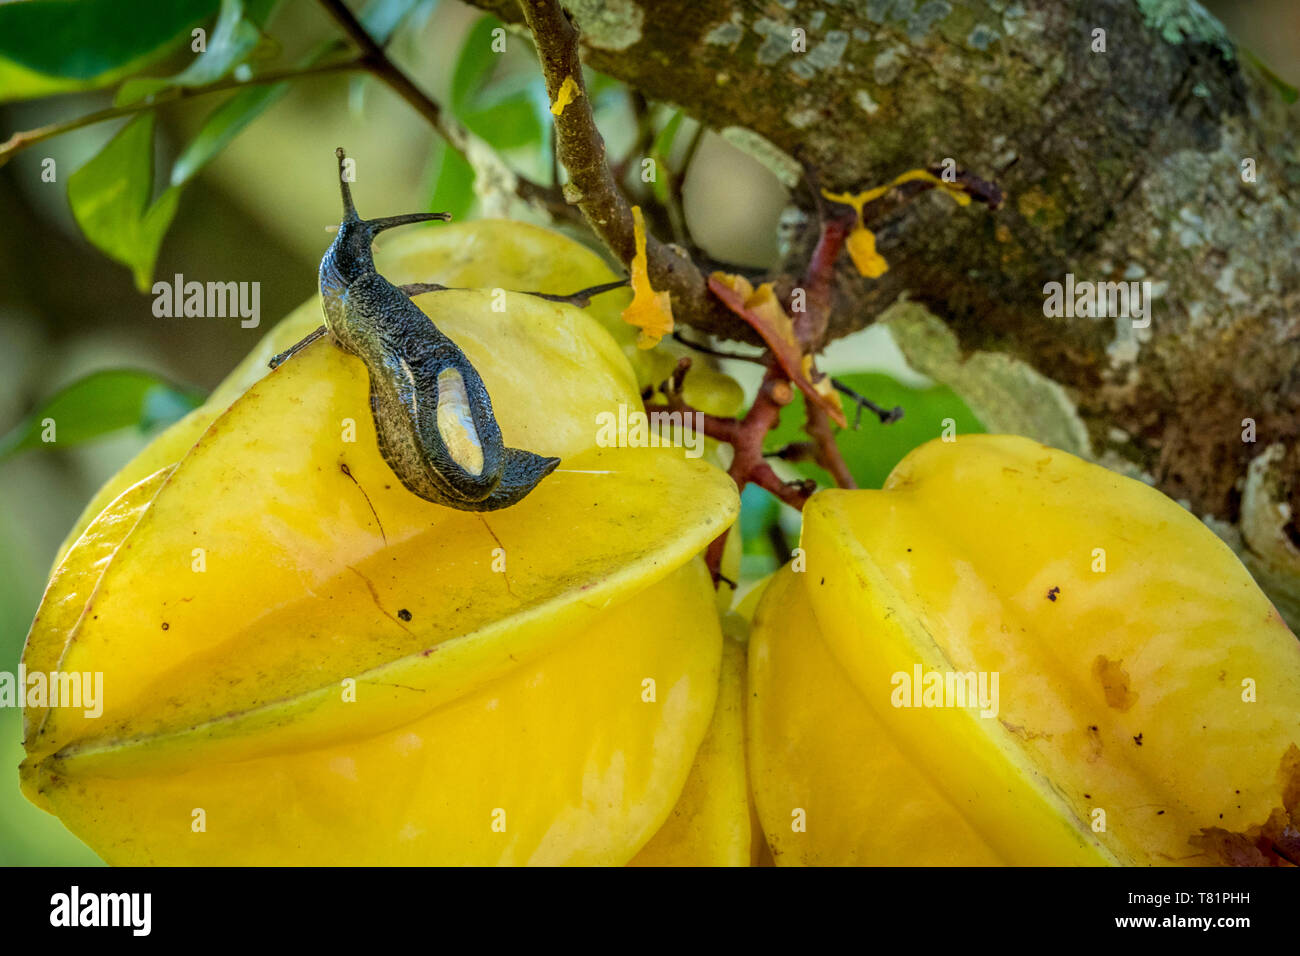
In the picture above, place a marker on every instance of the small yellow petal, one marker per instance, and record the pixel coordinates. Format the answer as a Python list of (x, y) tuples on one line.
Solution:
[(858, 200), (824, 386), (862, 250), (568, 93), (736, 283), (952, 189), (649, 311), (763, 302)]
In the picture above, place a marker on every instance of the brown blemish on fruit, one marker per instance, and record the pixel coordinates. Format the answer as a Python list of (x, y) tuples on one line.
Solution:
[(1114, 683), (1052, 593), (1020, 731), (1275, 842)]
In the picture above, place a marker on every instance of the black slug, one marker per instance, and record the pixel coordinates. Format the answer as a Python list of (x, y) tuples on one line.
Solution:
[(432, 412)]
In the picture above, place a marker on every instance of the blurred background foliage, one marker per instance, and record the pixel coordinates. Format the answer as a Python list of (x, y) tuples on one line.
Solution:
[(242, 191)]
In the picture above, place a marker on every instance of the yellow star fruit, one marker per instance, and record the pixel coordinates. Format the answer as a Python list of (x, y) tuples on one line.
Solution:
[(711, 824), (1009, 655), (304, 663)]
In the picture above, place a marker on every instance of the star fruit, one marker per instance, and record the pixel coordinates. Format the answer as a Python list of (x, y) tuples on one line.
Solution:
[(304, 663), (1010, 655)]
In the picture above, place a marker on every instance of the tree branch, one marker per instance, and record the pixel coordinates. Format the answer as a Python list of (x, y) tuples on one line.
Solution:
[(25, 139), (592, 186)]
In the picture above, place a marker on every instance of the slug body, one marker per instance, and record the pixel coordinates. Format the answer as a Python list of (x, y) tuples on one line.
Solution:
[(432, 413)]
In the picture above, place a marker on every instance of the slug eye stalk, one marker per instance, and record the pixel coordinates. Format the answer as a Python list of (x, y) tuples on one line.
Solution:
[(377, 225)]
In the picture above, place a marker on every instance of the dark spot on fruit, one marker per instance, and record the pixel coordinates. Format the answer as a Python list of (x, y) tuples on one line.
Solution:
[(165, 625), (1160, 813), (404, 614), (1114, 682), (1138, 740), (823, 581), (1051, 594)]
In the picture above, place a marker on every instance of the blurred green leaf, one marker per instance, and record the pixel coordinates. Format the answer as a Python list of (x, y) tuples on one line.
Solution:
[(661, 151), (110, 199), (231, 40), (508, 112), (100, 403), (474, 64), (758, 511), (1288, 92), (761, 524), (663, 144), (381, 18), (872, 451), (55, 46), (222, 125), (451, 182), (507, 124), (598, 84), (110, 195)]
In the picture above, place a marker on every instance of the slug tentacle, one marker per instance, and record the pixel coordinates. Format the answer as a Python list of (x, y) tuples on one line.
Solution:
[(433, 415)]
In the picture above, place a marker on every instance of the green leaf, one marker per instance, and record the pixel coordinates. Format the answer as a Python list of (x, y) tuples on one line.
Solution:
[(110, 199), (663, 144), (661, 151), (474, 64), (452, 182), (55, 46), (873, 450), (110, 195), (381, 18), (599, 84), (231, 40), (509, 112), (100, 403), (1288, 92), (762, 520), (507, 124), (222, 125)]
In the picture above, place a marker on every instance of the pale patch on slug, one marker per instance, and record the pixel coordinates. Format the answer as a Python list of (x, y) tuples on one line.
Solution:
[(456, 423), (415, 390)]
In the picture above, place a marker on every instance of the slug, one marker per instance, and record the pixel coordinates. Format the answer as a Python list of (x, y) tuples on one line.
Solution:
[(433, 416)]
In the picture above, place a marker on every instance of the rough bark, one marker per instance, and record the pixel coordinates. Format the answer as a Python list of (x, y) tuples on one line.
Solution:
[(1119, 165)]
